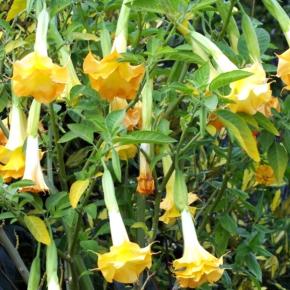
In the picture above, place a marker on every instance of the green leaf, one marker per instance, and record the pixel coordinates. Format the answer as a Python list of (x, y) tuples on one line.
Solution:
[(58, 5), (226, 78), (263, 39), (67, 137), (187, 56), (241, 132), (228, 223), (278, 159), (84, 131), (201, 76), (266, 123), (253, 266), (138, 137), (114, 120), (116, 165), (161, 6)]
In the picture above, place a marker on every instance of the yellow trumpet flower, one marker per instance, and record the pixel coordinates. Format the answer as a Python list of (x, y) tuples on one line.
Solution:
[(126, 260), (33, 169), (11, 155), (111, 78), (12, 163), (197, 266), (283, 70), (37, 76), (251, 93)]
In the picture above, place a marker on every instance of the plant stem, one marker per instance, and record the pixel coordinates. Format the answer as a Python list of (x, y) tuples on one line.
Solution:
[(210, 208), (14, 255), (62, 172), (227, 20)]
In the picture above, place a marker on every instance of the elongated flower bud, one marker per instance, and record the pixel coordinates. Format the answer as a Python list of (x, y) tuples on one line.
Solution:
[(120, 42), (145, 180), (40, 45), (224, 64), (51, 267)]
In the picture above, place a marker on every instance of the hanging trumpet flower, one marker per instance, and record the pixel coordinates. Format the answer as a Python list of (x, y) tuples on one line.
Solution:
[(146, 184), (36, 75), (12, 156), (196, 266), (110, 77), (51, 267), (251, 93), (126, 260)]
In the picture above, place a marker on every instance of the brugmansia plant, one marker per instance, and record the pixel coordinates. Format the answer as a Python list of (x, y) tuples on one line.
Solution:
[(144, 144)]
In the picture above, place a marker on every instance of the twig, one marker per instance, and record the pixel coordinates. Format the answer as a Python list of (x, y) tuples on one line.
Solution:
[(14, 255), (227, 20), (62, 173)]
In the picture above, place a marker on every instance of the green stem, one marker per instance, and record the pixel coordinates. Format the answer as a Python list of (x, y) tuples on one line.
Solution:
[(225, 26), (59, 151), (140, 218)]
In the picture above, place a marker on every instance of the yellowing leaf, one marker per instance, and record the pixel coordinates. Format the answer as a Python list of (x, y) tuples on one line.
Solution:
[(16, 8), (276, 200), (37, 228), (76, 191), (11, 45), (242, 133)]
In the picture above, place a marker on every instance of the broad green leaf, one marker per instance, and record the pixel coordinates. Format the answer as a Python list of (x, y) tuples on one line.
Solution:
[(263, 38), (67, 137), (138, 137), (241, 132), (77, 189), (226, 78), (115, 119), (58, 5), (201, 76), (38, 229), (253, 266), (161, 6), (228, 223), (278, 159), (84, 131), (266, 123), (17, 7)]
